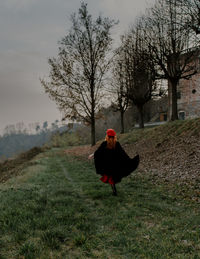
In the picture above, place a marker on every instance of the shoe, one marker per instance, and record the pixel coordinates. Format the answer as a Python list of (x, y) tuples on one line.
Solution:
[(114, 190), (114, 194)]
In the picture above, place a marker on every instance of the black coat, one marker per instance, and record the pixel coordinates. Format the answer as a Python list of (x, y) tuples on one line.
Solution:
[(114, 162)]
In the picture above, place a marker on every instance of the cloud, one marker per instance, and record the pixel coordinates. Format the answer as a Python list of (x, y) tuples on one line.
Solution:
[(17, 5), (125, 11)]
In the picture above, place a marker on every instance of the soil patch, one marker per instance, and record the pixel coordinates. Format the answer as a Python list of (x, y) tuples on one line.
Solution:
[(13, 167)]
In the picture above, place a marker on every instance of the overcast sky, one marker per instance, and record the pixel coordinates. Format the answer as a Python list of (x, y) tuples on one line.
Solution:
[(30, 31)]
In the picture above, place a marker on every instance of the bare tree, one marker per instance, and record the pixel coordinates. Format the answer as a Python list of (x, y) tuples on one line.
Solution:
[(139, 72), (20, 128), (45, 126), (77, 75), (170, 39), (37, 128), (191, 10), (9, 130), (119, 87)]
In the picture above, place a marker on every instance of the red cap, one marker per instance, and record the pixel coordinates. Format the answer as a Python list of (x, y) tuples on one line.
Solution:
[(110, 132)]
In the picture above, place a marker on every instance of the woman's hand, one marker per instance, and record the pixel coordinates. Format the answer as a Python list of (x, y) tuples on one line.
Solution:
[(91, 156)]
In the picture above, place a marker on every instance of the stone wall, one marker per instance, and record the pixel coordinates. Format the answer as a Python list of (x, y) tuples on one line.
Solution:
[(189, 101), (188, 92)]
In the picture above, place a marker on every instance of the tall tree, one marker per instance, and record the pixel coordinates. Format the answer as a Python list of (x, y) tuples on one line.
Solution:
[(77, 75), (191, 10), (170, 39), (138, 69), (119, 87), (10, 130), (45, 126)]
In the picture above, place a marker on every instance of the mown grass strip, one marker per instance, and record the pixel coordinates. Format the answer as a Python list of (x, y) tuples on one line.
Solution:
[(48, 215)]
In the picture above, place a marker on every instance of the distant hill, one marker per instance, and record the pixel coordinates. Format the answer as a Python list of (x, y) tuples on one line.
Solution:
[(13, 144)]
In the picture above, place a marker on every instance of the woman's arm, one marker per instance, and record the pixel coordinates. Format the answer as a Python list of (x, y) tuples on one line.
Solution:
[(91, 156)]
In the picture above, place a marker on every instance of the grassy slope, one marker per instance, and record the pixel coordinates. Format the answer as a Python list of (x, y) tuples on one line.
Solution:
[(57, 208), (164, 132)]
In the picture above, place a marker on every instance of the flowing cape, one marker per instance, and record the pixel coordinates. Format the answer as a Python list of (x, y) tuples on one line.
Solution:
[(114, 162)]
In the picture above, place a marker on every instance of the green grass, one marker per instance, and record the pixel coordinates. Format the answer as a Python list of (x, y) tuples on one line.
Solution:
[(58, 208), (173, 129), (67, 139)]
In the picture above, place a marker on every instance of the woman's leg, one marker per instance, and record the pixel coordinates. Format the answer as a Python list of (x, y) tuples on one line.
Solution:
[(114, 189)]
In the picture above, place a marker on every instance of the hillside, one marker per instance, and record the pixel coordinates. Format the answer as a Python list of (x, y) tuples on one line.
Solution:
[(54, 206), (170, 152), (14, 143)]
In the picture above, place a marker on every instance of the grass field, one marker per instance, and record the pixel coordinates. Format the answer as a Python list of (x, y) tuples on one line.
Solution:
[(57, 208)]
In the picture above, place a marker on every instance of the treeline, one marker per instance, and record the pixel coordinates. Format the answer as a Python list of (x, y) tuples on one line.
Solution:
[(17, 138)]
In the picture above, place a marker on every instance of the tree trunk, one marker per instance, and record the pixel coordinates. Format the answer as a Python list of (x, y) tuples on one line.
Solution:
[(174, 107), (122, 122), (93, 140), (141, 117)]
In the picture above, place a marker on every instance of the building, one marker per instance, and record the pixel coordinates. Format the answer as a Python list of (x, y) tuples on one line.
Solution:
[(188, 95)]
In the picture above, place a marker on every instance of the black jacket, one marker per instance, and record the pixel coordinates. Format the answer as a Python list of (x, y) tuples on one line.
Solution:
[(114, 162)]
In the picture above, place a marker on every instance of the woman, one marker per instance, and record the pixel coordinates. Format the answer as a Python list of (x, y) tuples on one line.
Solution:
[(112, 162)]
